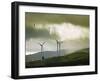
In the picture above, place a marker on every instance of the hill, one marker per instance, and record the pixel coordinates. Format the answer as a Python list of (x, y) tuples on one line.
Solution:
[(80, 57), (46, 54)]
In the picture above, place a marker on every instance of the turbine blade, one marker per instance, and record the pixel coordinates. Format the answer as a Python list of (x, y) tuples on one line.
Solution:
[(43, 43), (39, 43)]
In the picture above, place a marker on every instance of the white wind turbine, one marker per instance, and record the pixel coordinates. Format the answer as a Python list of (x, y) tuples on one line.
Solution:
[(41, 45), (58, 46)]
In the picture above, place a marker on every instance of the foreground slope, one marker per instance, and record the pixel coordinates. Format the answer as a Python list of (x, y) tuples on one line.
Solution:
[(80, 57)]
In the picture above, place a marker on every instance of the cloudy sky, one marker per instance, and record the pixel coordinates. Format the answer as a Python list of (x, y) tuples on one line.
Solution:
[(72, 30)]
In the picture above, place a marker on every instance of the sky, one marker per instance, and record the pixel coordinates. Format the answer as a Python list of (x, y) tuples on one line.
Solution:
[(72, 30)]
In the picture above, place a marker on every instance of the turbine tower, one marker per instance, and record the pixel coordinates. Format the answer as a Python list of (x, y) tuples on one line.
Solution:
[(41, 45)]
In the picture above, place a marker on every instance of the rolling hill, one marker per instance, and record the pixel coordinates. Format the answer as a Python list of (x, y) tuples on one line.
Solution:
[(80, 57), (46, 54)]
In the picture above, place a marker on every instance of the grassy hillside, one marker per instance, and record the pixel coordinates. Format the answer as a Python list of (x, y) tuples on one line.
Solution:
[(80, 57)]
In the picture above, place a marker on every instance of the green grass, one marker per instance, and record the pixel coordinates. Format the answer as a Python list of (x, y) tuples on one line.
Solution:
[(74, 59)]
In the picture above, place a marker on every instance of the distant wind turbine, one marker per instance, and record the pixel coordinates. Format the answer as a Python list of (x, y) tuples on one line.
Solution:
[(42, 44), (58, 46)]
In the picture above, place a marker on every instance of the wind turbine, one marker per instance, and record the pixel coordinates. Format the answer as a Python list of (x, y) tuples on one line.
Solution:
[(58, 46), (41, 45)]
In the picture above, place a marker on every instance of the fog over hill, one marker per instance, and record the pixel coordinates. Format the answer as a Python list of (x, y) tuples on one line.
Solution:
[(72, 30)]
